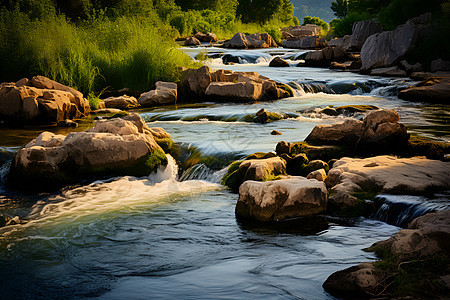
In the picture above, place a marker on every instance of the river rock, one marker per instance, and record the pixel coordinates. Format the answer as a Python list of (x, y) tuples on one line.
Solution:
[(440, 65), (121, 102), (281, 199), (385, 174), (239, 92), (388, 72), (435, 89), (323, 58), (319, 175), (256, 40), (425, 239), (165, 93), (41, 101), (311, 42), (192, 41), (278, 62), (379, 131), (262, 169), (299, 31), (119, 146), (355, 282), (206, 37), (225, 85), (360, 32), (388, 48), (340, 42)]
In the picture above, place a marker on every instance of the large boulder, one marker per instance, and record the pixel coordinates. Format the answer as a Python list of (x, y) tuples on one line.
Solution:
[(388, 48), (414, 264), (238, 92), (165, 93), (378, 132), (192, 41), (360, 32), (265, 169), (323, 58), (40, 100), (119, 146), (121, 102), (206, 37), (225, 85), (299, 31), (310, 42), (281, 199), (435, 90), (384, 174), (256, 40)]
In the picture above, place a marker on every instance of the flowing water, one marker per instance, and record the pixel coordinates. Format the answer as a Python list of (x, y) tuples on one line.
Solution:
[(166, 237)]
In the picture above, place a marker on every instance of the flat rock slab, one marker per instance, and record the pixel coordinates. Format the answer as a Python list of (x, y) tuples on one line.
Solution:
[(386, 174), (281, 199)]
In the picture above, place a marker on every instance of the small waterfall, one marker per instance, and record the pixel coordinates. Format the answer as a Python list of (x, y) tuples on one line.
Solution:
[(400, 210), (203, 172)]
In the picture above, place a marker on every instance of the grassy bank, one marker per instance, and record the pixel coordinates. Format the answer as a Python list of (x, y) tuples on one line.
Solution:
[(97, 45)]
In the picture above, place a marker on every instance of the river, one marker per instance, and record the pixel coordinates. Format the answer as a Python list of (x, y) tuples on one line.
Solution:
[(161, 237)]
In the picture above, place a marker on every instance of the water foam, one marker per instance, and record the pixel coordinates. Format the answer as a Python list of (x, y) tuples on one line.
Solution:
[(126, 194)]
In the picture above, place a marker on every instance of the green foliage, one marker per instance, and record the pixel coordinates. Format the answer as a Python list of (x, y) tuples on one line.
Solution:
[(339, 7), (315, 21), (341, 27), (264, 11), (132, 52)]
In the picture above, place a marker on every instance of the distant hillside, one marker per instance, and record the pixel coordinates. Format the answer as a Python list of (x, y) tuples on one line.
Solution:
[(314, 8)]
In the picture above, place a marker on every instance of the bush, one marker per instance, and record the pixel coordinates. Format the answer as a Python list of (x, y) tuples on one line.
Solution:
[(341, 27)]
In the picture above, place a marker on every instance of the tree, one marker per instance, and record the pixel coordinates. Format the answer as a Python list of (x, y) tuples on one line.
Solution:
[(315, 21), (340, 8)]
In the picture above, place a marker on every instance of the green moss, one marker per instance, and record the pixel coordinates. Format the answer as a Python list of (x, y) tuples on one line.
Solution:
[(417, 278), (418, 145), (233, 179), (271, 177), (289, 91), (119, 114), (355, 108)]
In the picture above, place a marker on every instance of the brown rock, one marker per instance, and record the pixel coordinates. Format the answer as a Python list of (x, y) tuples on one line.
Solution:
[(165, 93), (281, 199), (121, 102)]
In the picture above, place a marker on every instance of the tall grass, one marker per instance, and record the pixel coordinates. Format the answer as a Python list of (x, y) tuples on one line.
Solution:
[(132, 52)]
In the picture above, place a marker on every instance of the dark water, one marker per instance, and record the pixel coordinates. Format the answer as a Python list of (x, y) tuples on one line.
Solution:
[(163, 238)]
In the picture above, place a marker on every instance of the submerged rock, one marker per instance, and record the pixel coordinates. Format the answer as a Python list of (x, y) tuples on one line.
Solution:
[(119, 146), (281, 199), (40, 100)]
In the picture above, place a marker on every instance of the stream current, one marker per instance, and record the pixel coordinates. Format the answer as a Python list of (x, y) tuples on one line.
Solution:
[(160, 237)]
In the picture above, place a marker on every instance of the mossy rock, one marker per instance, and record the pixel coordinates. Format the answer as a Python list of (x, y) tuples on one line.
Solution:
[(322, 152), (119, 114), (268, 117), (289, 91), (316, 165), (260, 155), (233, 178), (421, 146), (297, 165), (355, 108)]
